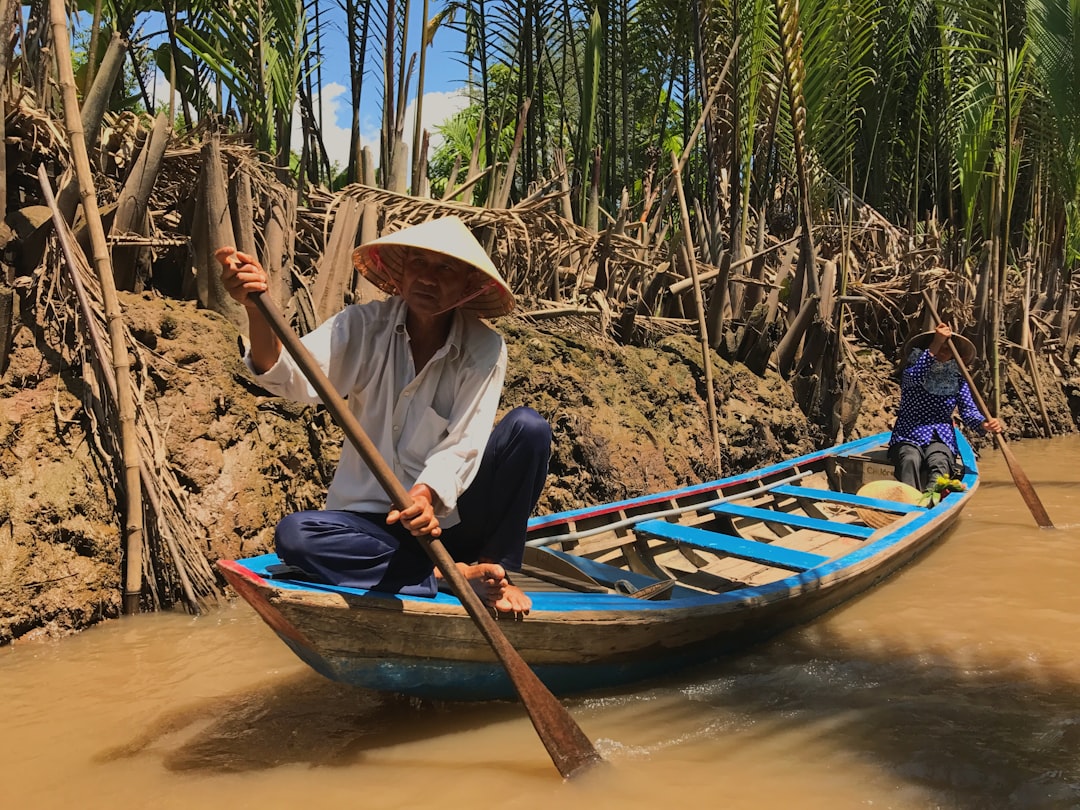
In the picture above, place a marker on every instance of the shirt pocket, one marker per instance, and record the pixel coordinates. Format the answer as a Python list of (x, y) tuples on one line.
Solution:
[(429, 429)]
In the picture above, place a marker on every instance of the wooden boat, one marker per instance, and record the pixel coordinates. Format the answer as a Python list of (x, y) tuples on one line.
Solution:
[(631, 589)]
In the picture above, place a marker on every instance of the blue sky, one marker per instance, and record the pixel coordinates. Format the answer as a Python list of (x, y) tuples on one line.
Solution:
[(442, 97), (443, 82)]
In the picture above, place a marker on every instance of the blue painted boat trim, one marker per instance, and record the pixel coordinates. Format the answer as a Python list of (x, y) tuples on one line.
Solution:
[(849, 448), (599, 602), (608, 575)]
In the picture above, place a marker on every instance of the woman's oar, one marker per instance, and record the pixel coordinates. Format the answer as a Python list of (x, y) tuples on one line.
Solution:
[(570, 750), (1027, 491)]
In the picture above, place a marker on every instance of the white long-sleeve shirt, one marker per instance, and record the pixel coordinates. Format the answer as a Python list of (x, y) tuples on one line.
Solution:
[(430, 427)]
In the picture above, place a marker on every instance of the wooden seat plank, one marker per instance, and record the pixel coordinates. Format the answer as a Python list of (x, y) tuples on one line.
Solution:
[(776, 556)]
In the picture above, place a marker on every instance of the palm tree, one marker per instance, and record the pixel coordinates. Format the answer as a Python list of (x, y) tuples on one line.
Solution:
[(1054, 29), (262, 72)]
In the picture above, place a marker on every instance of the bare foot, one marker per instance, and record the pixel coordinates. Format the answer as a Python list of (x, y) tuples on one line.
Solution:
[(487, 579), (515, 601), (490, 583)]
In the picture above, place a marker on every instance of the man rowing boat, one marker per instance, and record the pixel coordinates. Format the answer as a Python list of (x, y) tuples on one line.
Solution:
[(423, 375)]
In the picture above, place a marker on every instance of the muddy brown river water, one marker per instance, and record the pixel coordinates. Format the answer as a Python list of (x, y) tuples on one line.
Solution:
[(955, 684)]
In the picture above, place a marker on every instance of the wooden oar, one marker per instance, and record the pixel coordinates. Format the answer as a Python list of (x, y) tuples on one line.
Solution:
[(570, 750), (1027, 491)]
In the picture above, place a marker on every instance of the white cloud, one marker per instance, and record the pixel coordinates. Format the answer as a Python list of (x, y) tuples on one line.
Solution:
[(437, 108), (337, 115), (336, 119)]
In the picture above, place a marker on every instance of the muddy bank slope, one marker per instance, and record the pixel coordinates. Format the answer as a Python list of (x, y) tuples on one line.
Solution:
[(626, 421)]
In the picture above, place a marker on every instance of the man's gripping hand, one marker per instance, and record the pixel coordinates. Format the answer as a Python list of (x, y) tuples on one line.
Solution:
[(419, 518)]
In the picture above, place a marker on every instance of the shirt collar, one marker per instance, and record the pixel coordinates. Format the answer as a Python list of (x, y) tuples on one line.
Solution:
[(452, 347)]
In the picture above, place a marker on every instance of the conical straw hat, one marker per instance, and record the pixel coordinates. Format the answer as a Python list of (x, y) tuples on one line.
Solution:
[(924, 339), (884, 490), (381, 261)]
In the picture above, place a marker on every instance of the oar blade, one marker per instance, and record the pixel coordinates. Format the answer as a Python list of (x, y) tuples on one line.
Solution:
[(570, 749), (1027, 491)]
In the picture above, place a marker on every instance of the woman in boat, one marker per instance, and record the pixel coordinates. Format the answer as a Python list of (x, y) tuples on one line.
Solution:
[(923, 443), (423, 375)]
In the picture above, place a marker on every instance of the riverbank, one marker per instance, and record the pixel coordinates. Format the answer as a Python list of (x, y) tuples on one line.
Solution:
[(627, 420)]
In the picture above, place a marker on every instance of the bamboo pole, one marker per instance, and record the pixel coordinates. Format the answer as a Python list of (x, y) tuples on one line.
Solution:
[(9, 9), (102, 352), (703, 332), (133, 524)]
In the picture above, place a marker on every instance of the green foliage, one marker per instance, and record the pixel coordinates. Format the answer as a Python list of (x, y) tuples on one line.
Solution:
[(838, 53), (941, 487), (187, 76), (1054, 27), (459, 133), (122, 13), (256, 49), (906, 101)]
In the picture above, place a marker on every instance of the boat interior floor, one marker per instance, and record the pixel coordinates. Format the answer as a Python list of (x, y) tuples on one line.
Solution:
[(706, 540), (719, 544)]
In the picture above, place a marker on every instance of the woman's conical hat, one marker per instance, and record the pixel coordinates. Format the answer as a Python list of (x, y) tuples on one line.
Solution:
[(381, 261), (923, 340), (885, 490)]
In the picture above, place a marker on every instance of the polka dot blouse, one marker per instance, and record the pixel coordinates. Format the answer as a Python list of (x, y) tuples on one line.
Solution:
[(929, 393)]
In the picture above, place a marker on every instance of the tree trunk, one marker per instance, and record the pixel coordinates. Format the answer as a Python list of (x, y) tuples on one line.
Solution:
[(243, 212), (789, 344), (132, 262), (95, 104), (219, 232), (278, 247), (334, 275)]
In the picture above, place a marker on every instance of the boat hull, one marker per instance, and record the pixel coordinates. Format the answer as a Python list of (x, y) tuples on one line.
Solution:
[(574, 641)]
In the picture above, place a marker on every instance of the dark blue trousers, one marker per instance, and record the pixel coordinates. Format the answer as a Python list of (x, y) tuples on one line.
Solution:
[(361, 551)]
